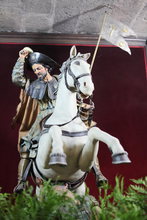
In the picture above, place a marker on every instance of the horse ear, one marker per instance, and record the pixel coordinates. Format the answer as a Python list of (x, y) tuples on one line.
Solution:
[(73, 51), (86, 56)]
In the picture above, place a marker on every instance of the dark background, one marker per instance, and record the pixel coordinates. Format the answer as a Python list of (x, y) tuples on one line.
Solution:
[(120, 99)]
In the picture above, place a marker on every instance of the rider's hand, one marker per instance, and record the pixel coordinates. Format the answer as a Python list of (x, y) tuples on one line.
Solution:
[(24, 52)]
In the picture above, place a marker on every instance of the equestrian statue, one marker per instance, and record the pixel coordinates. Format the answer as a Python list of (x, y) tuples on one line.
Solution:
[(67, 148)]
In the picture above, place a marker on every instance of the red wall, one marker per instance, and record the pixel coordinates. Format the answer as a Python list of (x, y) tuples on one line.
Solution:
[(120, 99)]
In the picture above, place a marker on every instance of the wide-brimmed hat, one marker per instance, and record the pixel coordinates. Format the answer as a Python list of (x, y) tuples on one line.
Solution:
[(41, 58)]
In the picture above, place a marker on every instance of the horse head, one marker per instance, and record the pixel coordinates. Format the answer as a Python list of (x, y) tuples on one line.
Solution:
[(77, 73)]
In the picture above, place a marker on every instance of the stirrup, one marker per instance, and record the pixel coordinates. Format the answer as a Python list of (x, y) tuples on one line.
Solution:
[(120, 158), (58, 159)]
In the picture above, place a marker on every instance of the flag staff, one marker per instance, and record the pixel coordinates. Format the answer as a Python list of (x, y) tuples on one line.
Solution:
[(98, 41)]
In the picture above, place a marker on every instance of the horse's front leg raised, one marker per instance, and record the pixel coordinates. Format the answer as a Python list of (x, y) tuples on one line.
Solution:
[(90, 150), (44, 150), (119, 155), (57, 156), (89, 153)]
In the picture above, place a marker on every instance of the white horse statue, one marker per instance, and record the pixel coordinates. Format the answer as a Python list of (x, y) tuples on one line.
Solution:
[(67, 149)]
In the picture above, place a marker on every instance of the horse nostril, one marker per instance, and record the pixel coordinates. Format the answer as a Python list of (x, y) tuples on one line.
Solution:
[(84, 83)]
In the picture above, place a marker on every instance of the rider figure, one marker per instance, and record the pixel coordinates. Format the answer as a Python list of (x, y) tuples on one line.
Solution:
[(37, 102)]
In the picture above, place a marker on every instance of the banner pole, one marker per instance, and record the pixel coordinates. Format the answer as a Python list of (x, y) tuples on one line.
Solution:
[(98, 41)]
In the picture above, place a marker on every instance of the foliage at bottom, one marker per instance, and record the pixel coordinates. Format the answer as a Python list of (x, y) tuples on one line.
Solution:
[(50, 205), (120, 204), (114, 203)]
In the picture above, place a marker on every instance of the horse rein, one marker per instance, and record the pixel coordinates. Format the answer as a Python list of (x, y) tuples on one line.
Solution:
[(48, 126)]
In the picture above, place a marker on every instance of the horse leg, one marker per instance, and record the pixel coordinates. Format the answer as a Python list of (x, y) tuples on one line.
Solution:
[(90, 150), (44, 150), (81, 190), (89, 153), (119, 155), (37, 191), (57, 156)]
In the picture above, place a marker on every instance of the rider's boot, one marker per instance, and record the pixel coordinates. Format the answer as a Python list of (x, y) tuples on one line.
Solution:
[(100, 178), (23, 163)]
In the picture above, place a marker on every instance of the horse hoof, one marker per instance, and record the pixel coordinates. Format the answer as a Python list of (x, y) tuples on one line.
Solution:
[(101, 180), (58, 159), (120, 158), (20, 187)]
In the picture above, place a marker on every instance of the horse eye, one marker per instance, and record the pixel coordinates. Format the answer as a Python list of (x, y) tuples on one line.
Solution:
[(77, 63)]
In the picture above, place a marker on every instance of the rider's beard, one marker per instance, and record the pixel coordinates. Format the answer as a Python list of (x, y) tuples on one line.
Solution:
[(41, 76)]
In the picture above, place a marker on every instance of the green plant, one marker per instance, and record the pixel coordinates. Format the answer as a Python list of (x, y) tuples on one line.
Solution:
[(115, 203), (50, 205), (120, 204)]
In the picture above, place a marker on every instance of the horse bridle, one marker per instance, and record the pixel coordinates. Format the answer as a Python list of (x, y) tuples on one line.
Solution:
[(75, 79)]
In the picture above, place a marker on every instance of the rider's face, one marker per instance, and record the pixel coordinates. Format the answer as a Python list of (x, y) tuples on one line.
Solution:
[(39, 70)]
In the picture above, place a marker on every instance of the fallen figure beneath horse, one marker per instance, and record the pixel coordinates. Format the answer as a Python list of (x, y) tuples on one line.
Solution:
[(67, 149)]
